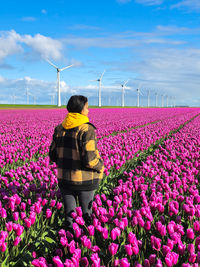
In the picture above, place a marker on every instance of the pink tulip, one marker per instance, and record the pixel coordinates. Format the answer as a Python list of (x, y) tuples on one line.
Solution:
[(71, 246), (128, 249), (147, 225), (104, 233), (16, 241), (112, 248), (52, 203), (190, 233), (196, 226), (9, 226), (80, 220), (91, 230), (3, 213), (57, 261), (95, 259), (19, 230), (48, 213), (95, 249), (155, 243), (27, 222), (16, 216), (192, 258), (3, 247)]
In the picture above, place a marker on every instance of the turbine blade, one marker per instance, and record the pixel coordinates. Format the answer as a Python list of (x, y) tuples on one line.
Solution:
[(66, 67), (93, 80), (102, 74), (51, 63), (126, 82)]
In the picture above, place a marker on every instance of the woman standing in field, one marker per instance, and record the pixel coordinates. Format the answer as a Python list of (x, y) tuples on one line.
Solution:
[(80, 167)]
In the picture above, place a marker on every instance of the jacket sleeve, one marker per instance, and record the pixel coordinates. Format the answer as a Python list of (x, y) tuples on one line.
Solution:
[(90, 154), (52, 148)]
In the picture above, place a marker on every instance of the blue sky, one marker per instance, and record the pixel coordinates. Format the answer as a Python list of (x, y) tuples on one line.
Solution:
[(153, 43)]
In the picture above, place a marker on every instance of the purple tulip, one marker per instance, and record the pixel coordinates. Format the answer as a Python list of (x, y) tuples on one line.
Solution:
[(152, 259), (84, 262)]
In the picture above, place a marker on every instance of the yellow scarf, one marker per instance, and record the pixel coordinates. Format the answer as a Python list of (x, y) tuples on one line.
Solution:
[(73, 120)]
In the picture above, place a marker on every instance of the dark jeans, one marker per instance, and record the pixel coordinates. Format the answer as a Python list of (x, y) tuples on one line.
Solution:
[(85, 199)]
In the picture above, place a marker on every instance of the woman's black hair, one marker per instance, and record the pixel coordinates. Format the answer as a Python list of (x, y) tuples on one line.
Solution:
[(76, 103)]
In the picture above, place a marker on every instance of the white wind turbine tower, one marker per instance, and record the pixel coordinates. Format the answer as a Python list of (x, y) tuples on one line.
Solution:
[(99, 80), (34, 97), (162, 100), (58, 79), (174, 100), (148, 98), (52, 98), (138, 96), (123, 91), (156, 95), (167, 101), (14, 98), (27, 95)]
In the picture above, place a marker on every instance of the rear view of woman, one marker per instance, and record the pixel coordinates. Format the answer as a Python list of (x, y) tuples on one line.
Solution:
[(80, 167)]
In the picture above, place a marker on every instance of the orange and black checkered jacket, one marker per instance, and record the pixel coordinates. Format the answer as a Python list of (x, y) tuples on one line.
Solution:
[(75, 152)]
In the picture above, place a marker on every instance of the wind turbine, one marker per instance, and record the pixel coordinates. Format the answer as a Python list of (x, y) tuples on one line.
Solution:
[(52, 98), (174, 100), (99, 80), (58, 79), (14, 98), (27, 95), (138, 96), (162, 100), (123, 91), (156, 95), (148, 98), (167, 101)]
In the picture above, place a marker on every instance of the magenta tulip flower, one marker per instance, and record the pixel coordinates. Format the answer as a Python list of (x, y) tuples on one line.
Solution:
[(16, 241), (128, 249), (112, 248), (57, 261), (155, 243), (190, 233), (48, 213)]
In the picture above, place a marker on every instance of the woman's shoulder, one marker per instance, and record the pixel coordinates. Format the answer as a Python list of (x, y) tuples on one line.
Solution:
[(87, 127)]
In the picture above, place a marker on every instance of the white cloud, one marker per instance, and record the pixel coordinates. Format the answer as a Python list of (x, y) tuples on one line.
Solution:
[(64, 87), (170, 70), (149, 2), (39, 88), (116, 41), (45, 46), (29, 19), (191, 4), (9, 44), (13, 43), (1, 79)]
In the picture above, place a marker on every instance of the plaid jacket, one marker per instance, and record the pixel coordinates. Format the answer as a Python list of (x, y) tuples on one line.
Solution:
[(75, 152)]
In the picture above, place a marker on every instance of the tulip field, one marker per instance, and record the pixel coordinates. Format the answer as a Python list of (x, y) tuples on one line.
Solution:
[(146, 211)]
